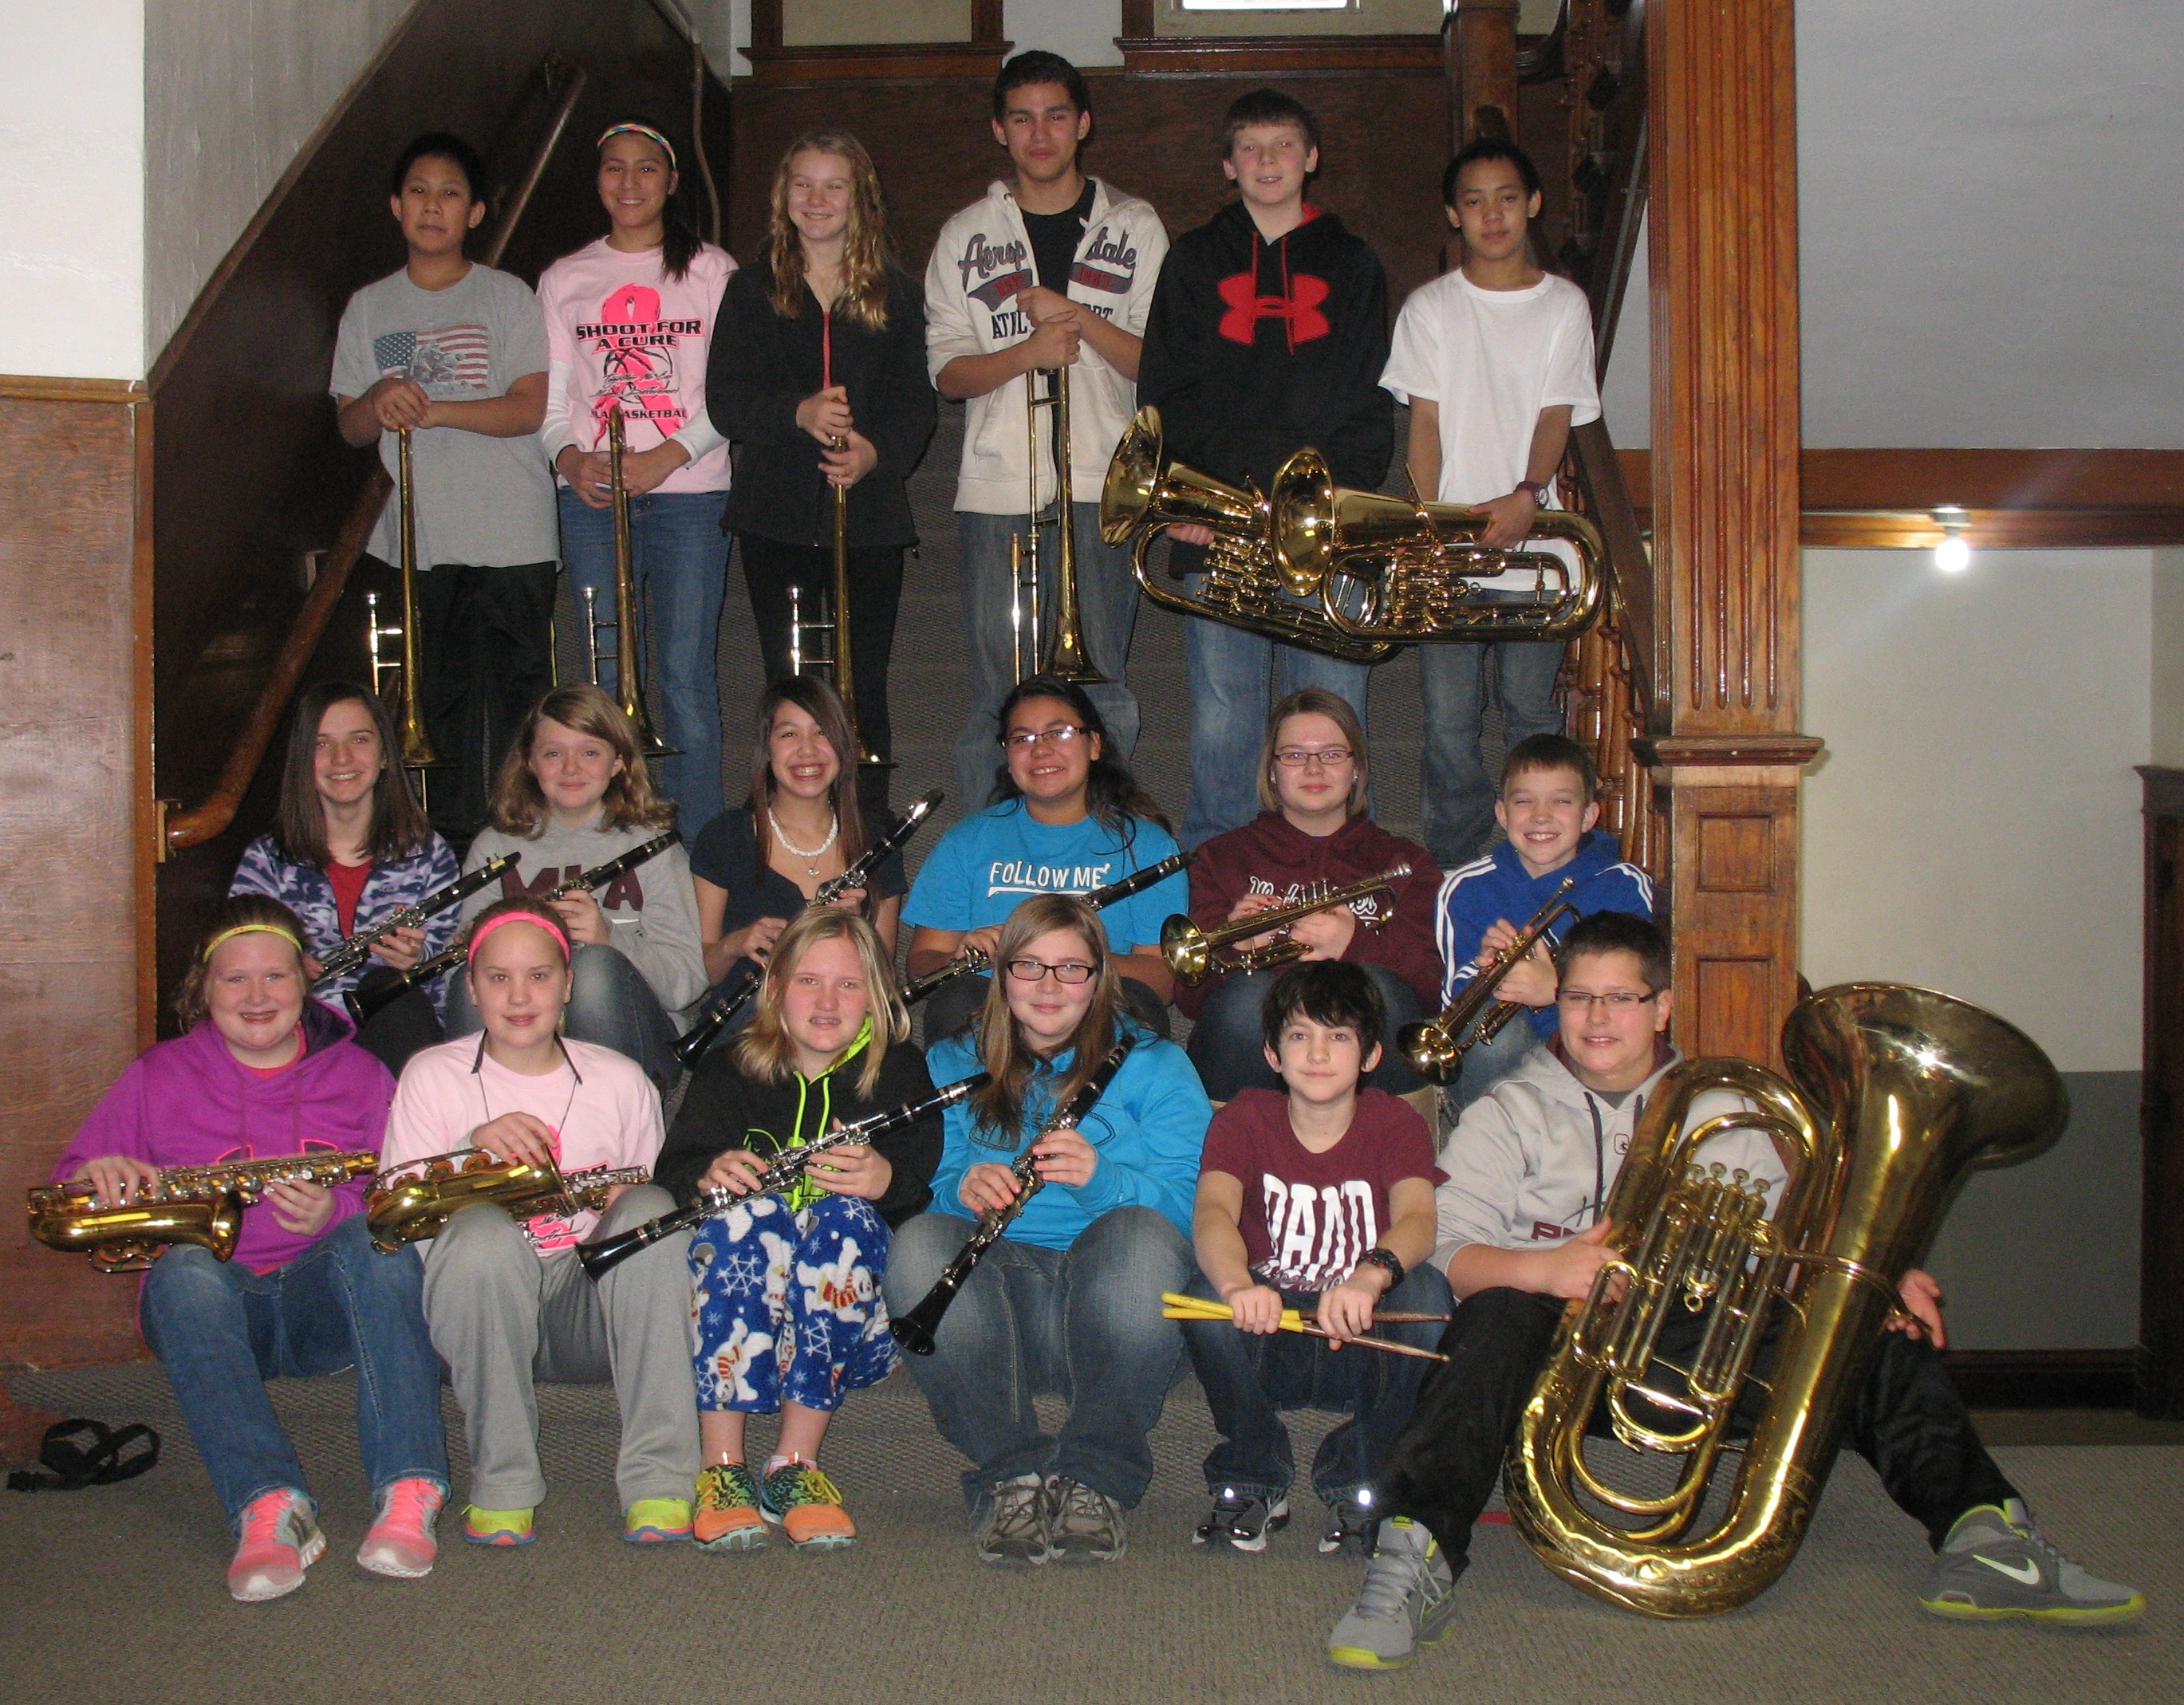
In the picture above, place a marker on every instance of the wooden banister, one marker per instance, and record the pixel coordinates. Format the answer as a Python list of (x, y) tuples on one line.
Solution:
[(201, 822)]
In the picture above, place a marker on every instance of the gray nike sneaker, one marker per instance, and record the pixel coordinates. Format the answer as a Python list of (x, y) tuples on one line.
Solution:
[(1995, 1564), (1351, 1520), (1010, 1522), (1409, 1591), (1082, 1526)]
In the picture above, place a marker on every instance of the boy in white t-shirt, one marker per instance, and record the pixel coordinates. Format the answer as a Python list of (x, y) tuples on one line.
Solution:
[(1496, 360)]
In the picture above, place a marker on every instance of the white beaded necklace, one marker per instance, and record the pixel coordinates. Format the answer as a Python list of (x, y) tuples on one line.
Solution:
[(809, 855)]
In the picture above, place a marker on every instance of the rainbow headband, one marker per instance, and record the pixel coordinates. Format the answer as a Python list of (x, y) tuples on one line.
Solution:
[(613, 130), (477, 937), (285, 933)]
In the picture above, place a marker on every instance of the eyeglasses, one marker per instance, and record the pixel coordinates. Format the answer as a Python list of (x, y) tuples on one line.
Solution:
[(1296, 757), (1071, 972), (1023, 739), (1616, 1001)]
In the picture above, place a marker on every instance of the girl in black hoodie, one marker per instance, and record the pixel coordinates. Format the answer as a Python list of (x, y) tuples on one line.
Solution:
[(787, 1312)]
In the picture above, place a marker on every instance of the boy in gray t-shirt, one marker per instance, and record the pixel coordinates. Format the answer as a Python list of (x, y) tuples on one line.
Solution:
[(456, 353)]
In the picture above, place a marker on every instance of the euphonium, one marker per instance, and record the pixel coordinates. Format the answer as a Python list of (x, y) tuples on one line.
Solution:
[(1435, 1048), (1192, 953), (410, 1203), (190, 1204), (1895, 1093)]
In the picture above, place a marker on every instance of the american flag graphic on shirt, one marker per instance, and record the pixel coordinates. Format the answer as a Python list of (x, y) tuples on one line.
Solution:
[(447, 361)]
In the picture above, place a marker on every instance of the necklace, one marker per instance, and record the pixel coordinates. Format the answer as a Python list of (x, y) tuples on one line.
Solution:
[(809, 855)]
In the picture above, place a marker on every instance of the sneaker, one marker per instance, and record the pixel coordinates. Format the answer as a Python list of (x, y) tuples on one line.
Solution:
[(1242, 1518), (1351, 1522), (1995, 1564), (727, 1518), (656, 1521), (1011, 1522), (399, 1543), (1408, 1593), (1084, 1525), (810, 1510), (280, 1540), (497, 1526)]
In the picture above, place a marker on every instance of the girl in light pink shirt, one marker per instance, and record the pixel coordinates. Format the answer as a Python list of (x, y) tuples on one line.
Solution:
[(629, 320)]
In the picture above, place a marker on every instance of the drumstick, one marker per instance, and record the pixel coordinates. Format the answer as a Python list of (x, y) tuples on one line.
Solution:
[(1178, 1306)]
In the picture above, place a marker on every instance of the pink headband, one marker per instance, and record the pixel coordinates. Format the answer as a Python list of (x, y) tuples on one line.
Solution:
[(553, 928)]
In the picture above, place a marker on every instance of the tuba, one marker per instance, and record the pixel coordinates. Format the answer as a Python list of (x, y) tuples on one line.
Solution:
[(1894, 1094)]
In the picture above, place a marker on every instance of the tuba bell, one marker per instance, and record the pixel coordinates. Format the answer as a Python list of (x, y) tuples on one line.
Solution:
[(1894, 1094)]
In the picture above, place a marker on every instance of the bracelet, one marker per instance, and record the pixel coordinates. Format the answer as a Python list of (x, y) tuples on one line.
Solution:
[(1386, 1262)]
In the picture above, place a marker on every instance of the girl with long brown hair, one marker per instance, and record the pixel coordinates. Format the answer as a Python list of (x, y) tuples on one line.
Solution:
[(818, 368)]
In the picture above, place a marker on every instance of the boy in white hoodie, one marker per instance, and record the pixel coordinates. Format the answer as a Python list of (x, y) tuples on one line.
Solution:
[(1529, 1169), (1049, 269)]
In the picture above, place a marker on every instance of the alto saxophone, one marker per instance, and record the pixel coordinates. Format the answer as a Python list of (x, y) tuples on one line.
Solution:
[(190, 1204), (410, 1203)]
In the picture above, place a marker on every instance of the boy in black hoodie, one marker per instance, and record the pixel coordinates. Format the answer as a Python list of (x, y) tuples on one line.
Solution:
[(1268, 331)]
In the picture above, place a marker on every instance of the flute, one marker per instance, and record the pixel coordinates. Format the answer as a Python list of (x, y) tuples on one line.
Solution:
[(600, 1258), (914, 1330), (352, 950)]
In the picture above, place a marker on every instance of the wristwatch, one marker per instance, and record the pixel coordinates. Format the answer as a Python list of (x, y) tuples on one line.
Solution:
[(1386, 1262), (1538, 490)]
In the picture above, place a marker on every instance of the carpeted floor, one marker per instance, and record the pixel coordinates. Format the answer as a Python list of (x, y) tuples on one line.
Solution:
[(116, 1594)]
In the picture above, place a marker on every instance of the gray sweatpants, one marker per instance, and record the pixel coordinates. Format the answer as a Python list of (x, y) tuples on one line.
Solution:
[(503, 1317)]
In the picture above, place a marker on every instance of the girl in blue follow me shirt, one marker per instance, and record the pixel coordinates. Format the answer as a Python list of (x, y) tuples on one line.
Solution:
[(1068, 819)]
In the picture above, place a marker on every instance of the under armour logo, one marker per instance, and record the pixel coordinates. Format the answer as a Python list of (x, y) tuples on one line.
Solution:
[(1247, 308)]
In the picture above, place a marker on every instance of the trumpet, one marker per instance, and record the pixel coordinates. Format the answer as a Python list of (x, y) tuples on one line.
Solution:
[(599, 1260), (410, 1203), (971, 960), (365, 1004), (914, 1330), (719, 1009), (352, 950), (1435, 1048), (1065, 656), (417, 752), (1194, 954), (628, 654), (190, 1204)]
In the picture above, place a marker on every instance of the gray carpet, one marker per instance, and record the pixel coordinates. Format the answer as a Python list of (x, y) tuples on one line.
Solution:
[(116, 1594)]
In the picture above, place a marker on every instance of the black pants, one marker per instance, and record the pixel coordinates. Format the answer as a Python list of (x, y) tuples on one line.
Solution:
[(771, 568), (1907, 1419), (486, 650), (401, 1027)]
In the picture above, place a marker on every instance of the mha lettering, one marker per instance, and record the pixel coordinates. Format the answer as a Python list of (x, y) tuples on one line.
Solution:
[(1371, 910), (1315, 1232), (625, 893), (636, 350), (1024, 876)]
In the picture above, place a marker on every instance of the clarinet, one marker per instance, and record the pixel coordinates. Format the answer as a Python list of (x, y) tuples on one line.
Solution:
[(914, 1330), (365, 1006), (599, 1260), (353, 950), (971, 960), (719, 1009)]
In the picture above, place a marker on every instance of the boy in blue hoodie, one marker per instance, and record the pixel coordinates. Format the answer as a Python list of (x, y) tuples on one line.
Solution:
[(1268, 331), (1547, 808)]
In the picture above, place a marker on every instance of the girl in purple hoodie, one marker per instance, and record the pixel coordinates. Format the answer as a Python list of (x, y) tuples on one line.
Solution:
[(262, 1069)]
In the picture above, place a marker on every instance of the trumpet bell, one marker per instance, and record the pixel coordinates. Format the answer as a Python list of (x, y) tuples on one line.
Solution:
[(1188, 950), (1144, 489), (1430, 1052)]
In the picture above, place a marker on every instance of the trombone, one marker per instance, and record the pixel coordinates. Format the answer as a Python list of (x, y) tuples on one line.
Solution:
[(1065, 656), (829, 648), (627, 655), (409, 710), (1194, 954), (1435, 1048)]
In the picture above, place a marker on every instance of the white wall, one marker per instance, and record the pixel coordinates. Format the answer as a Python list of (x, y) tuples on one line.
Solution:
[(71, 142), (2168, 625), (1083, 31)]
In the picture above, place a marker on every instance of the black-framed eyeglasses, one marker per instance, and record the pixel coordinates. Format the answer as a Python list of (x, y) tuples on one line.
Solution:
[(1616, 1000), (1296, 757), (1071, 972), (1023, 739)]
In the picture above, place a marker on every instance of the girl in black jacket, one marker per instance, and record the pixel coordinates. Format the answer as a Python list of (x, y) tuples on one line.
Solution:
[(822, 341), (788, 1313)]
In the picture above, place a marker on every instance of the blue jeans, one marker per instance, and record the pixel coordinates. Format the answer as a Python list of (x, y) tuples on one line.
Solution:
[(222, 1331), (1107, 604), (1236, 678), (679, 558), (1251, 1378), (1229, 1044), (610, 1004), (1083, 1323), (1456, 795)]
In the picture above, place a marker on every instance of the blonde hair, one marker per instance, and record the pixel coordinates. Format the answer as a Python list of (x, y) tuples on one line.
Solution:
[(255, 913), (520, 809), (766, 1052), (1316, 700), (864, 252), (998, 1106)]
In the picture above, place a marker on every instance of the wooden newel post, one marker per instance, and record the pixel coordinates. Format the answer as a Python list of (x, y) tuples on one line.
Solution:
[(1726, 563), (1483, 71)]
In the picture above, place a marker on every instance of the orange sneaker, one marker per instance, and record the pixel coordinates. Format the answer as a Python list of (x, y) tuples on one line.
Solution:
[(727, 1516), (810, 1510), (279, 1541), (400, 1545)]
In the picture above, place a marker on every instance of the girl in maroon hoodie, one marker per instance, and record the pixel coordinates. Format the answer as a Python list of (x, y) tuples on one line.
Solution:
[(264, 1070), (1312, 836)]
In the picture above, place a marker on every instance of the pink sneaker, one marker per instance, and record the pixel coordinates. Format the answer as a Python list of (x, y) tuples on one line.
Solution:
[(279, 1541), (399, 1544)]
